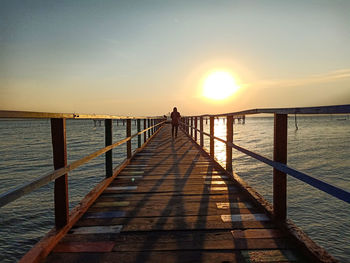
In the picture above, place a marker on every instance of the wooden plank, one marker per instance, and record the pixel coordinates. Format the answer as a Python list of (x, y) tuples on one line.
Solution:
[(257, 233), (111, 204), (269, 256), (109, 214), (234, 205), (244, 217), (149, 256), (78, 247), (111, 229)]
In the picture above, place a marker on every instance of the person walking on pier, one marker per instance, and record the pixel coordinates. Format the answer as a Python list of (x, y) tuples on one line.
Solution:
[(175, 120)]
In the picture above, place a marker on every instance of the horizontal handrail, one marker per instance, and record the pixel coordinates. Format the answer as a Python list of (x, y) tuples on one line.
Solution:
[(46, 115), (336, 109), (316, 183), (29, 187)]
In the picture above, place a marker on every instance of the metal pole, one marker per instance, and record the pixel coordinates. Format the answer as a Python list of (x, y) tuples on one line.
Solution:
[(280, 178), (229, 139), (59, 147), (108, 141)]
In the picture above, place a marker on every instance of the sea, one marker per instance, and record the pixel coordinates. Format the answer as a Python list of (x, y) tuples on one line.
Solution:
[(317, 145)]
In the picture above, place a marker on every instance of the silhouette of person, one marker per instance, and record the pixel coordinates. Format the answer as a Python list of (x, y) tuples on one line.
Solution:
[(175, 120)]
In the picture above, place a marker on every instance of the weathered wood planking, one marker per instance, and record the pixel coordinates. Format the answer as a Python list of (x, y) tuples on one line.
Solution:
[(170, 204)]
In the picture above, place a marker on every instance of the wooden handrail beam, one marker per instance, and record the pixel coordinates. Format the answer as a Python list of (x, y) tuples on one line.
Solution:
[(29, 187)]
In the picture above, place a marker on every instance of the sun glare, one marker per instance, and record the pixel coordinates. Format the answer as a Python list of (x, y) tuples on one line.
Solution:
[(219, 85)]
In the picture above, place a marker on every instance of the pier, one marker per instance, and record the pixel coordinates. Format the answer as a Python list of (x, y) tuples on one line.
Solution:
[(171, 200)]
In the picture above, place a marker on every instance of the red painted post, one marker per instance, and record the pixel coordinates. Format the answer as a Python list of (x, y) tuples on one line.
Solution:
[(128, 134), (201, 136), (211, 134), (108, 141), (195, 128), (280, 178), (229, 139), (59, 147), (145, 133)]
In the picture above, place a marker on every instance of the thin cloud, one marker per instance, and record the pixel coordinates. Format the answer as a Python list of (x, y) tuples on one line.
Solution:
[(319, 78)]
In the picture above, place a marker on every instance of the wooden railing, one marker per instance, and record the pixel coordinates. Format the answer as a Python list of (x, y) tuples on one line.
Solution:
[(279, 162), (61, 168)]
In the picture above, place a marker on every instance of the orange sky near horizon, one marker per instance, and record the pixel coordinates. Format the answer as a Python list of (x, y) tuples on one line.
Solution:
[(142, 58)]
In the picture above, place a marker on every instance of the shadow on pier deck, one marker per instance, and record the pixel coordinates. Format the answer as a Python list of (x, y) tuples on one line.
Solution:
[(173, 204)]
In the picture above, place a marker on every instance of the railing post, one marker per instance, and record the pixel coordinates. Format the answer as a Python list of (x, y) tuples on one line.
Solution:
[(138, 130), (152, 124), (229, 139), (201, 135), (149, 125), (188, 126), (191, 127), (108, 141), (59, 147), (211, 134), (195, 128), (280, 178), (145, 133), (128, 134)]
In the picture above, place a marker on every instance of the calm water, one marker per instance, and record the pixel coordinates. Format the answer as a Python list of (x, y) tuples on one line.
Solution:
[(321, 148)]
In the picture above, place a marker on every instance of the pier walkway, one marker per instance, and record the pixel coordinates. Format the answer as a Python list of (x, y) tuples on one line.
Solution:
[(173, 204)]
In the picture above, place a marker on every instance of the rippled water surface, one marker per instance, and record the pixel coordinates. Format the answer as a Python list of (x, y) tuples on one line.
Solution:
[(321, 148)]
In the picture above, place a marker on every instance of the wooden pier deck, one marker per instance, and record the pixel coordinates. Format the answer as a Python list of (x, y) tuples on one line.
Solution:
[(171, 204)]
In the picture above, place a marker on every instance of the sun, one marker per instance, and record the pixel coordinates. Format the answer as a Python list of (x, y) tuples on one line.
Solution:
[(219, 85)]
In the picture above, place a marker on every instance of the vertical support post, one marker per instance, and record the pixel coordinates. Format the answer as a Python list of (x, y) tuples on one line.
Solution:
[(145, 133), (280, 178), (108, 141), (128, 134), (195, 128), (138, 130), (152, 124), (211, 134), (59, 147), (191, 127), (187, 126), (149, 125), (201, 136), (229, 139)]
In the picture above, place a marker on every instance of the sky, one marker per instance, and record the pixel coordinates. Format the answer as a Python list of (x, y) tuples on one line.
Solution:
[(145, 57)]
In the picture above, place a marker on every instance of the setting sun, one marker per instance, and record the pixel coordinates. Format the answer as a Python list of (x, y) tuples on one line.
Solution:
[(219, 85)]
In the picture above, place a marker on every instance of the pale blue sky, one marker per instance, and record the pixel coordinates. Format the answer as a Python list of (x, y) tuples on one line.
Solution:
[(144, 57)]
